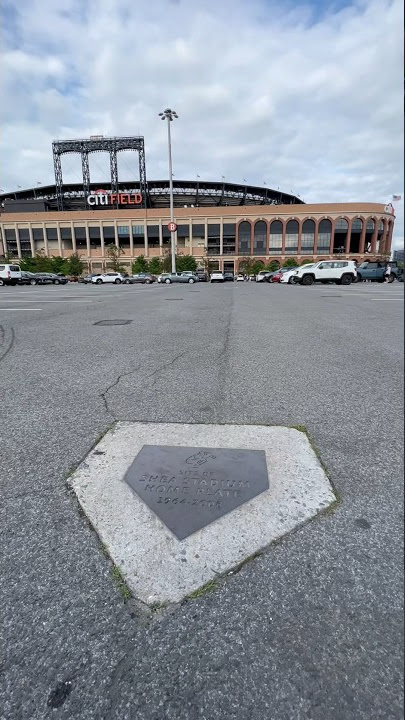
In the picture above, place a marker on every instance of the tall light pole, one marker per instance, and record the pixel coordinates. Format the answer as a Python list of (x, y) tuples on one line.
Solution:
[(169, 115)]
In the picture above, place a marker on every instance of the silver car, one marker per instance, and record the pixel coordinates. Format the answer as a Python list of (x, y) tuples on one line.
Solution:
[(185, 277)]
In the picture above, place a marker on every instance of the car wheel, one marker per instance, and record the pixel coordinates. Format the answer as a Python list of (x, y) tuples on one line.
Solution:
[(147, 282), (33, 282), (191, 280), (291, 281), (1, 282), (307, 280), (127, 282), (99, 281), (347, 279), (168, 281), (391, 278), (56, 282), (117, 281)]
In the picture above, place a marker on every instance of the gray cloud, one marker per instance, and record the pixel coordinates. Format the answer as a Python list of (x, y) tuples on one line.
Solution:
[(267, 91)]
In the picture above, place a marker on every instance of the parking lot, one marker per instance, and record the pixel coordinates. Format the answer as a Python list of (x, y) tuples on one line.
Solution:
[(311, 628)]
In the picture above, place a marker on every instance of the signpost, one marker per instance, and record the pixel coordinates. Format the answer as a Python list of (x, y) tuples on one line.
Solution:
[(172, 227)]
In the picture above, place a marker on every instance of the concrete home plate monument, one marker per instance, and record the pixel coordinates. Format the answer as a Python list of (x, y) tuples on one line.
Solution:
[(178, 505)]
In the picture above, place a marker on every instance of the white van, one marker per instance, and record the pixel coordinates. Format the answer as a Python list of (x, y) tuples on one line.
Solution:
[(9, 274)]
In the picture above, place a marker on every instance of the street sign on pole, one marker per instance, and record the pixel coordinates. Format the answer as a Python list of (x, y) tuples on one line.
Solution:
[(172, 227)]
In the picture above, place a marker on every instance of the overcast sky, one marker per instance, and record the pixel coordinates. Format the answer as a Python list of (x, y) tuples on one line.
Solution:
[(304, 96)]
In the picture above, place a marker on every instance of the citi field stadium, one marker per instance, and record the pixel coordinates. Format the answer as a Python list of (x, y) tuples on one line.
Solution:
[(217, 220)]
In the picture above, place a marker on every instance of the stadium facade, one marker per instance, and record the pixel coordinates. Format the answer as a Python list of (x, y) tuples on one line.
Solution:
[(222, 222)]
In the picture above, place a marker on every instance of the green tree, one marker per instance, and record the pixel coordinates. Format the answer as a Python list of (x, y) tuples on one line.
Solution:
[(140, 265), (60, 265), (113, 254), (39, 263), (167, 261), (273, 265), (306, 261), (290, 262), (246, 266), (257, 266), (75, 265), (155, 266), (207, 264), (186, 262)]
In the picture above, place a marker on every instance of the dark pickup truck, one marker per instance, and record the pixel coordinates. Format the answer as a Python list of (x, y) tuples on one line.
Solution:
[(375, 270)]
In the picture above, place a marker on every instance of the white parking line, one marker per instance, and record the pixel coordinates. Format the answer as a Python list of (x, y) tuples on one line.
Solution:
[(22, 309), (50, 301)]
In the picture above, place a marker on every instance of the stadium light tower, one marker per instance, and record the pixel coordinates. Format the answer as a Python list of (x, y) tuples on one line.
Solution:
[(170, 115)]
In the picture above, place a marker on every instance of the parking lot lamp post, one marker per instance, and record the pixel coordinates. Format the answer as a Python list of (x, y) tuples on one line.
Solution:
[(170, 115)]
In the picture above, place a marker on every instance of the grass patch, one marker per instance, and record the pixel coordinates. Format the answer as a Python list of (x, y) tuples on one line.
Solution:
[(203, 590), (120, 583)]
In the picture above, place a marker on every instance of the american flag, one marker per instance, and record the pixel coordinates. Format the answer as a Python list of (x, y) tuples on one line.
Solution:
[(396, 197)]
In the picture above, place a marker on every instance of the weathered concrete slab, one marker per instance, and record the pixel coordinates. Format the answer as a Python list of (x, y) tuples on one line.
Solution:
[(159, 567)]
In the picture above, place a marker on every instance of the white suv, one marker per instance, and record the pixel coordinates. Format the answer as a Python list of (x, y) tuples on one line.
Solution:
[(341, 272), (110, 277), (217, 276), (9, 274)]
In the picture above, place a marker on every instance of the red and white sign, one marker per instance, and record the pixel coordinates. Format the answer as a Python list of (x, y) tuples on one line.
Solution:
[(101, 197), (172, 227)]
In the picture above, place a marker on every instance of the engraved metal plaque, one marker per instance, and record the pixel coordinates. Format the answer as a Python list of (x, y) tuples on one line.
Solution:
[(191, 487)]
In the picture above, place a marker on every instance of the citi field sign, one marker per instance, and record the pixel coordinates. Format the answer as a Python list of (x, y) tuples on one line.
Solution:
[(102, 197)]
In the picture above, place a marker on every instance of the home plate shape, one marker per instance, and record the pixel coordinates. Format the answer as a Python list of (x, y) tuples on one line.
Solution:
[(133, 483), (190, 487)]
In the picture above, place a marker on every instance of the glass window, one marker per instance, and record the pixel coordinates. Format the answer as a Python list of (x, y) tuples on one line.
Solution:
[(229, 238), (244, 235), (108, 233), (291, 237), (340, 235), (213, 239), (138, 230), (307, 237), (324, 236), (38, 233), (24, 237), (80, 237), (183, 231), (51, 233), (94, 233), (259, 238), (276, 237), (123, 229), (153, 235), (198, 231)]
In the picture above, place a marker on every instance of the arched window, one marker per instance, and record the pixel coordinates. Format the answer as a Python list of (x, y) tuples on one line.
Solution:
[(259, 238), (340, 235), (379, 248), (244, 233), (307, 237), (276, 237), (291, 237), (370, 225), (324, 237), (355, 235)]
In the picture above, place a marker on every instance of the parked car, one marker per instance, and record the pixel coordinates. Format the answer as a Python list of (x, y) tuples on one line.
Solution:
[(109, 277), (144, 278), (28, 278), (240, 278), (288, 276), (9, 274), (229, 277), (342, 272), (375, 271), (86, 279), (202, 276), (262, 275), (169, 278), (217, 276), (51, 279)]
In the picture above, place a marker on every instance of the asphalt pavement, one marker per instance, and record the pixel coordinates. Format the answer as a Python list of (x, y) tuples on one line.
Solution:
[(311, 629)]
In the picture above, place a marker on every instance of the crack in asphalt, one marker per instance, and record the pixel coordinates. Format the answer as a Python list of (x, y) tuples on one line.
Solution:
[(3, 341), (154, 375)]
